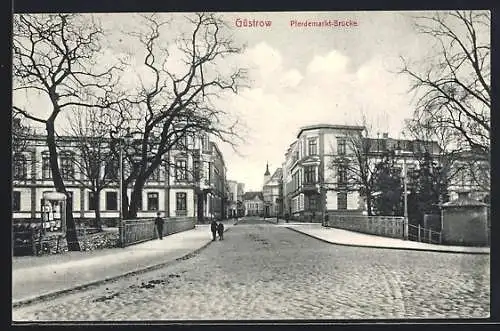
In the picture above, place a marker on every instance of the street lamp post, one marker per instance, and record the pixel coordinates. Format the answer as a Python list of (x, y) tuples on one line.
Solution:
[(405, 199), (120, 221), (405, 193)]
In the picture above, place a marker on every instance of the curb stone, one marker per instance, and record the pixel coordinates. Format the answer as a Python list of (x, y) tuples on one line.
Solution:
[(55, 294), (393, 248)]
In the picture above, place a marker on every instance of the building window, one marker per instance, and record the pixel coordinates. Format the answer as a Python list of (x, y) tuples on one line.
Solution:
[(92, 202), (112, 169), (313, 204), (205, 143), (180, 169), (67, 167), (196, 170), (153, 201), (313, 147), (342, 174), (46, 171), (19, 166), (111, 201), (16, 201), (341, 146), (155, 175), (342, 200), (309, 175), (180, 198)]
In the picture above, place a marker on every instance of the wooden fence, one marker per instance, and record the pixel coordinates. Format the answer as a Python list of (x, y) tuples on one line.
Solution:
[(137, 231), (387, 226)]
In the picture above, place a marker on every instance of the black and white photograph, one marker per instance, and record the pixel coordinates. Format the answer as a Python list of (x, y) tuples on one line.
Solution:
[(264, 166)]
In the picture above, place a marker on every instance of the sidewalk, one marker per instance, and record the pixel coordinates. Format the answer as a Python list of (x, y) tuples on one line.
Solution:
[(351, 238), (35, 277)]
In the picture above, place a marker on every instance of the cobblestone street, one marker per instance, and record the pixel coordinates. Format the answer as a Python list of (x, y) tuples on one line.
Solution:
[(260, 271)]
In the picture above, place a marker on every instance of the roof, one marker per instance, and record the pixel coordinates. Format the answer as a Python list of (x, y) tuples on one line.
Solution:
[(464, 202), (377, 145), (267, 173), (252, 195), (330, 126), (278, 173)]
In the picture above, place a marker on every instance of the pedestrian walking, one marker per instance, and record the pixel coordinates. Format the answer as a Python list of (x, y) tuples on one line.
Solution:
[(213, 228), (220, 230), (159, 225)]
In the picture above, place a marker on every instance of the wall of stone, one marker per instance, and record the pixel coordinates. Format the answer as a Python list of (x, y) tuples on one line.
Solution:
[(378, 225)]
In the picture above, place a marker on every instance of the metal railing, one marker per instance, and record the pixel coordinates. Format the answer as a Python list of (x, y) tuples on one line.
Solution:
[(421, 234), (137, 231)]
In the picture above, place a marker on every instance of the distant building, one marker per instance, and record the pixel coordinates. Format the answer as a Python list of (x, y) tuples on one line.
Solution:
[(254, 203), (272, 191), (232, 207), (471, 176)]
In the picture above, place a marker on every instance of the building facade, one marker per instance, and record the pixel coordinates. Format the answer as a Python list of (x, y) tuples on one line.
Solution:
[(272, 193), (189, 182), (254, 204), (316, 179), (311, 185), (235, 206)]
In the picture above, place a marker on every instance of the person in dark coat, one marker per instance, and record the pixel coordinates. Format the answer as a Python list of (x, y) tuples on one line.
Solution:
[(220, 230), (213, 228), (159, 225)]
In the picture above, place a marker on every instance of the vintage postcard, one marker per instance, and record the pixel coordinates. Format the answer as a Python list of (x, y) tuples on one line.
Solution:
[(265, 166)]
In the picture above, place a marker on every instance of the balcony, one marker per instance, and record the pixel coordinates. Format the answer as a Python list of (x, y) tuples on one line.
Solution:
[(310, 187)]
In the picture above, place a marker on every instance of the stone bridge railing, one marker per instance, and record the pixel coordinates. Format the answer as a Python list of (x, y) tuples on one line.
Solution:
[(387, 226), (140, 230)]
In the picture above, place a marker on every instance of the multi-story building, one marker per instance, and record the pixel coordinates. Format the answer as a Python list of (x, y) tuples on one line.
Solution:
[(189, 182), (272, 191), (235, 206), (316, 178), (239, 199), (254, 203), (232, 206), (311, 185)]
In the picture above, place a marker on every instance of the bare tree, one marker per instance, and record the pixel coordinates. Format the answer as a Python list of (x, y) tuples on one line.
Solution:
[(21, 133), (453, 86), (170, 106), (94, 162), (55, 56), (358, 163)]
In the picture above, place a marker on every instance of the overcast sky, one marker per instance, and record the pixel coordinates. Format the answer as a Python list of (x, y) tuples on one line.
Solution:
[(306, 75)]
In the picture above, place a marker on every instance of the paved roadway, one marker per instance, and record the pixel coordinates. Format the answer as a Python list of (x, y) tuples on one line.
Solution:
[(260, 271)]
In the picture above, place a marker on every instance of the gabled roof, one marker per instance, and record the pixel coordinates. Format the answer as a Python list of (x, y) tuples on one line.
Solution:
[(278, 173), (252, 195)]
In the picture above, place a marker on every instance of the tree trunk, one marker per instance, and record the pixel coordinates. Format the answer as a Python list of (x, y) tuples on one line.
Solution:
[(135, 196), (369, 204), (97, 204), (71, 236)]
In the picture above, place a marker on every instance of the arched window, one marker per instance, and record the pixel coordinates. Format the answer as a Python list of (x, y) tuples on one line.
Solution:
[(20, 170)]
